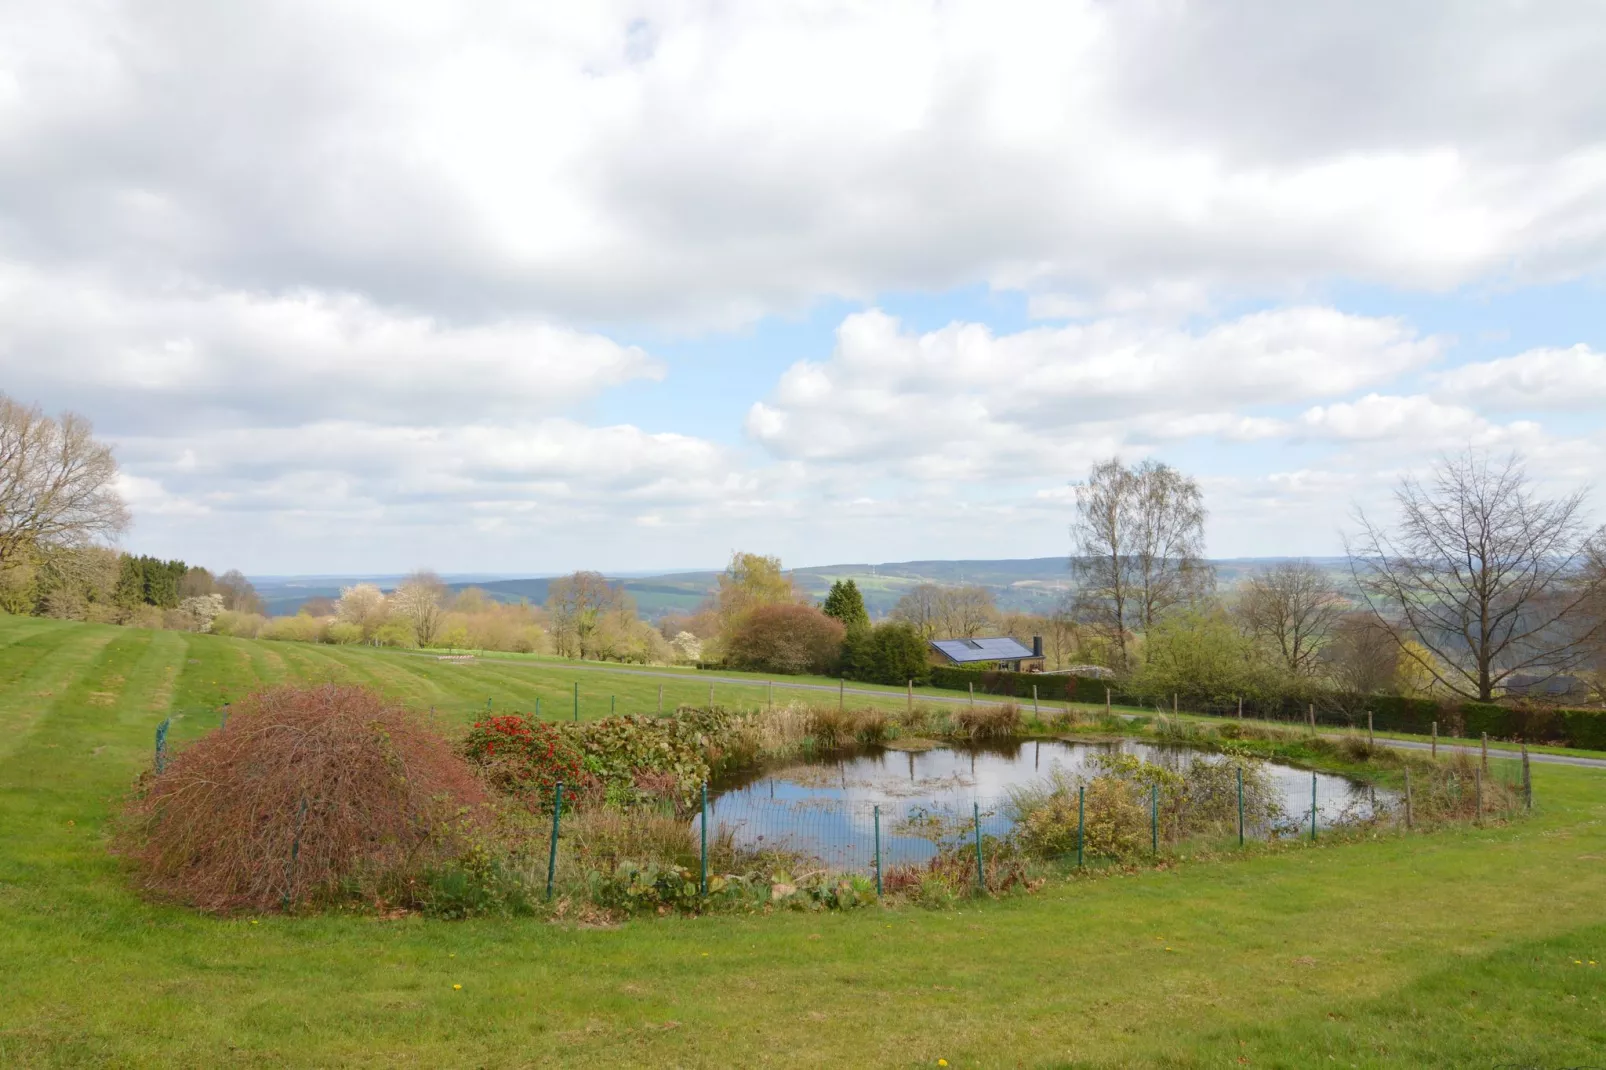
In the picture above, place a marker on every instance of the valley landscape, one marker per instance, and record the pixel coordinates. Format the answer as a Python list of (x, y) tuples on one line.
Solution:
[(954, 534)]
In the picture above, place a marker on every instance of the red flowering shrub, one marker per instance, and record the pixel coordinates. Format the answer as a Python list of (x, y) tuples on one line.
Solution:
[(525, 758)]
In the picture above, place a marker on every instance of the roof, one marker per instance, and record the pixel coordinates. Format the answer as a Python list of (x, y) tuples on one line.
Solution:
[(1527, 684), (967, 650)]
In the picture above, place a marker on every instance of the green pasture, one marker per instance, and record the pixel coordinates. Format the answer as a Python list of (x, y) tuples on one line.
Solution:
[(1468, 947)]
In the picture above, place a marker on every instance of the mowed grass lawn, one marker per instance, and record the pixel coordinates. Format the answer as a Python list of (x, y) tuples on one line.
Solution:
[(1461, 948)]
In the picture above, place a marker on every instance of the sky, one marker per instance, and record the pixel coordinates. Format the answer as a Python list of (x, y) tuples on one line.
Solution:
[(523, 288)]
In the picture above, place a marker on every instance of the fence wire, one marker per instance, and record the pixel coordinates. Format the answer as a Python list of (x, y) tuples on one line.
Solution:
[(858, 836)]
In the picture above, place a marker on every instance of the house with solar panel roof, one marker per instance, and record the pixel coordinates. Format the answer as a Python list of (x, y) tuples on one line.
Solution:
[(1002, 651)]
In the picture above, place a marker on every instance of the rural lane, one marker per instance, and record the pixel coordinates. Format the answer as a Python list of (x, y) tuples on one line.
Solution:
[(1403, 744)]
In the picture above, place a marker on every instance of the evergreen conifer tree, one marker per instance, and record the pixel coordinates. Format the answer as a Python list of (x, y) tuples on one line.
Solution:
[(846, 604)]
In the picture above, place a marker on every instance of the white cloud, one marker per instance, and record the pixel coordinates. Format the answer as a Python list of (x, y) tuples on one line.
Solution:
[(1380, 416), (962, 402), (1572, 378), (711, 162), (334, 466), (356, 271), (158, 354)]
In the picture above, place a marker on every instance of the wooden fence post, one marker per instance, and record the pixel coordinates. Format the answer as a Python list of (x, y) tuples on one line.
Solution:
[(1527, 780), (1435, 739), (1371, 738), (1407, 796)]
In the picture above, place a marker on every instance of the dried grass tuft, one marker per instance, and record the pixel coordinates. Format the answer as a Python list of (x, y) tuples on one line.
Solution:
[(1000, 721)]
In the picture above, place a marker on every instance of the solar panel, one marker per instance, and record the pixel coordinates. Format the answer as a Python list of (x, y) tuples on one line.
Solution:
[(999, 648)]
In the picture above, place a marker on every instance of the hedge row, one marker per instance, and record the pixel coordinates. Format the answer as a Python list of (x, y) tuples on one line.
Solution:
[(1390, 713)]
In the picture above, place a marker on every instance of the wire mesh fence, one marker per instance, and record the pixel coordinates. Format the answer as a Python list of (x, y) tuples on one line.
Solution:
[(809, 827)]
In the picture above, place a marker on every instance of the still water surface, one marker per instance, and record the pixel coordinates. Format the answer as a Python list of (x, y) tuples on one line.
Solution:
[(828, 807)]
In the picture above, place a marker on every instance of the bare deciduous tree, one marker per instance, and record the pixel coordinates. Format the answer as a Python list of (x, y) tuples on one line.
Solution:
[(964, 612), (1064, 639), (57, 484), (1484, 574), (1362, 656), (238, 593), (420, 600), (1139, 545), (1291, 606), (576, 604), (919, 607)]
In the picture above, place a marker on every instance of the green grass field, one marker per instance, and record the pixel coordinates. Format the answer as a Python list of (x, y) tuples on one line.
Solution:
[(1471, 947)]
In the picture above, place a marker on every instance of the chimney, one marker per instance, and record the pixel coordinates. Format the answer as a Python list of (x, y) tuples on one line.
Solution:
[(1037, 646)]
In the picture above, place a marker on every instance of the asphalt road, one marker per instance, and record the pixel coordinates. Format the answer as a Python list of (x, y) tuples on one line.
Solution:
[(710, 678)]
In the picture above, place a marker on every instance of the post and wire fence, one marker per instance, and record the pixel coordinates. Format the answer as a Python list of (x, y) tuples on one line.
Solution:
[(988, 841)]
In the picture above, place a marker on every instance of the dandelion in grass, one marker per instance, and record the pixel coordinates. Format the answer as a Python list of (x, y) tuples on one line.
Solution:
[(457, 988)]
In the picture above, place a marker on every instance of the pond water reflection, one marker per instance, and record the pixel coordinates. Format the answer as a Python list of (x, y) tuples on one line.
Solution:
[(828, 808)]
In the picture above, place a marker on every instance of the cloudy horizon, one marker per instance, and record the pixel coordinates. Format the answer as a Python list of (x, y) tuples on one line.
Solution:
[(360, 287)]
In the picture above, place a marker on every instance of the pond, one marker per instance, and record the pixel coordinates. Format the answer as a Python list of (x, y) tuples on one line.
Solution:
[(830, 808)]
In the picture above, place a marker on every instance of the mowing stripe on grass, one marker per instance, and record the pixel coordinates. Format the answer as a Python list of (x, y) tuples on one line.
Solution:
[(148, 695), (47, 676)]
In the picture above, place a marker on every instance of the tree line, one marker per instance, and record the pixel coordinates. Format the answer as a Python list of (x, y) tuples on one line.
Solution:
[(59, 503), (1481, 587)]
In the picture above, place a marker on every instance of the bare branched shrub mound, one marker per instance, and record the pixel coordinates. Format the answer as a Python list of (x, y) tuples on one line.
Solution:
[(306, 794)]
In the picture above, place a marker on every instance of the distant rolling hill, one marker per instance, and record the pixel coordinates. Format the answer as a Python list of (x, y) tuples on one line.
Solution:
[(1029, 585)]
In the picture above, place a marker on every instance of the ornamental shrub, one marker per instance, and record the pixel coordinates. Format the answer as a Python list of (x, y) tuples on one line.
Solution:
[(305, 794), (785, 638)]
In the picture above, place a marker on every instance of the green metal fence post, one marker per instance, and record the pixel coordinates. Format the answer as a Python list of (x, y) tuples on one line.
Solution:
[(613, 704), (487, 703), (1081, 805), (538, 707), (1154, 818), (295, 853), (704, 830), (1240, 806), (161, 745), (1313, 807), (552, 851), (878, 851), (981, 871)]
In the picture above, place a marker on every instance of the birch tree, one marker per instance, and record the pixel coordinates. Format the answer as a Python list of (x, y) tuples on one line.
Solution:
[(1138, 548)]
